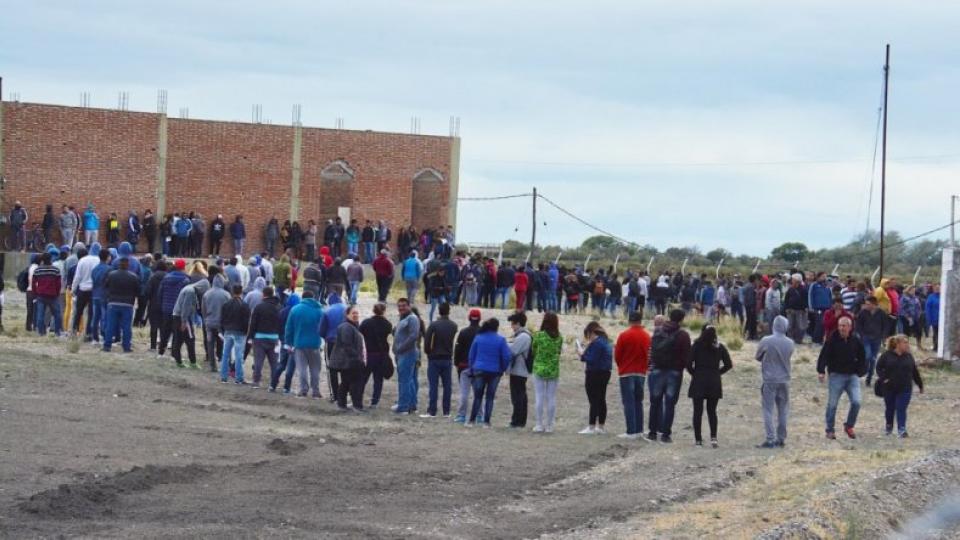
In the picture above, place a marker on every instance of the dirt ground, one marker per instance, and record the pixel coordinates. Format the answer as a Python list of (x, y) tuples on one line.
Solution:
[(120, 445)]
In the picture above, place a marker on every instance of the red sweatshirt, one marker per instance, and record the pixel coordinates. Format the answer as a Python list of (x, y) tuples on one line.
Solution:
[(520, 281), (632, 351)]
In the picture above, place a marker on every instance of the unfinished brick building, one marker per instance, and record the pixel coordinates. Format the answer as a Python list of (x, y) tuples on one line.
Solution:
[(121, 160)]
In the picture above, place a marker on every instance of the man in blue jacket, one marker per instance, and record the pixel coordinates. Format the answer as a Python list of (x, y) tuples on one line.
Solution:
[(331, 320), (91, 225), (405, 339), (300, 337), (411, 272), (169, 290), (819, 298), (183, 227)]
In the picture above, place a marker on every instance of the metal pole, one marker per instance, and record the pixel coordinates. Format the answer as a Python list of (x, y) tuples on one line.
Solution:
[(953, 220), (533, 235), (883, 163)]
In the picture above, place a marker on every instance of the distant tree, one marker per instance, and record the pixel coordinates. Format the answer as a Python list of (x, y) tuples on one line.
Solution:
[(715, 255), (790, 251)]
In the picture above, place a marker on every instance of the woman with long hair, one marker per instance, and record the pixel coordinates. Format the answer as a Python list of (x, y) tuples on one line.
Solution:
[(896, 374), (598, 362), (709, 360), (347, 359), (546, 347)]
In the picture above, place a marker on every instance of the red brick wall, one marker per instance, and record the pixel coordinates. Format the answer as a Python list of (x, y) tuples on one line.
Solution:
[(66, 154), (70, 155)]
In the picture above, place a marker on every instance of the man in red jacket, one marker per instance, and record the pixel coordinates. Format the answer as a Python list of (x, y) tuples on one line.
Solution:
[(520, 284), (632, 354), (46, 287), (383, 268)]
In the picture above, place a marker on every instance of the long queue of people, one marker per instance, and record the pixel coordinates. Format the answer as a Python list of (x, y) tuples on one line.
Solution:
[(237, 309)]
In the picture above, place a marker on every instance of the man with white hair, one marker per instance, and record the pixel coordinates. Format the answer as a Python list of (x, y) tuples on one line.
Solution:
[(795, 305), (843, 357)]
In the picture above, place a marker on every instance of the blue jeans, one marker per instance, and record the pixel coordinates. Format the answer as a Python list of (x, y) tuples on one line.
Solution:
[(119, 319), (502, 293), (354, 289), (438, 371), (871, 349), (233, 344), (353, 247), (412, 286), (95, 323), (629, 307), (897, 403), (53, 304), (286, 364), (484, 391), (406, 385), (840, 383), (612, 304), (631, 393), (368, 248), (664, 393), (434, 302)]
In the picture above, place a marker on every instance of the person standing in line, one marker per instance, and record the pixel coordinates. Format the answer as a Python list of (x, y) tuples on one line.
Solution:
[(286, 365), (439, 346), (911, 311), (68, 225), (302, 339), (46, 285), (238, 233), (774, 353), (521, 365), (235, 321), (185, 316), (217, 231), (897, 373), (545, 348), (354, 277), (212, 307), (169, 290), (264, 333), (134, 228), (333, 316), (96, 322), (749, 294), (91, 225), (932, 311), (376, 330), (669, 351), (353, 238), (82, 289), (272, 235), (348, 359), (632, 355), (149, 227), (405, 339), (598, 362), (46, 226), (18, 226), (461, 359), (383, 268), (844, 359), (709, 360), (122, 290), (489, 358), (183, 229), (367, 238), (154, 305), (520, 285), (870, 325)]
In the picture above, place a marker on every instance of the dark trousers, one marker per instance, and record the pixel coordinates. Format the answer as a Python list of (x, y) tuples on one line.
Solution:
[(156, 324), (215, 244), (374, 369), (212, 346), (31, 310), (518, 397), (383, 288), (751, 323), (698, 417), (334, 378), (140, 318), (84, 303), (487, 291), (288, 365), (438, 373), (183, 336), (166, 331), (351, 381), (896, 404), (595, 382)]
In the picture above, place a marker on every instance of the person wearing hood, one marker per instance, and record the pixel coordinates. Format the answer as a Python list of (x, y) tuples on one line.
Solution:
[(931, 309), (212, 305), (91, 225), (96, 322), (774, 353), (264, 333), (325, 259), (154, 309), (246, 281), (149, 228), (287, 362), (553, 280), (669, 351), (217, 230), (133, 227), (411, 273), (69, 222), (282, 277), (348, 359), (661, 293), (235, 321), (333, 316), (146, 270), (255, 295), (272, 234), (302, 339), (82, 288), (125, 251), (489, 358), (182, 229), (336, 278), (186, 312), (122, 287), (46, 285), (169, 291)]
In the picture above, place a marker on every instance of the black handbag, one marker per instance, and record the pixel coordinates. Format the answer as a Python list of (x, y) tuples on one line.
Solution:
[(388, 368), (879, 388)]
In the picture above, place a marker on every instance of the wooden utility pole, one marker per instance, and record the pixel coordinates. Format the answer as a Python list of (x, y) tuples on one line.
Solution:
[(883, 162)]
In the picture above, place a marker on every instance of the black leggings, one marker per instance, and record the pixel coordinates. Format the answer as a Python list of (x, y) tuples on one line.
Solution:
[(595, 383), (698, 417)]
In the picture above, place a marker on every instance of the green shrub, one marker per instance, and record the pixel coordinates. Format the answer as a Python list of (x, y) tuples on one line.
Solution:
[(735, 343)]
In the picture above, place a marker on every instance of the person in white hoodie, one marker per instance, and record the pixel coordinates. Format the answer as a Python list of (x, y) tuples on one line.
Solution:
[(82, 288)]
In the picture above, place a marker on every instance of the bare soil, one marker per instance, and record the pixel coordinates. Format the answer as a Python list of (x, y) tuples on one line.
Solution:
[(118, 445)]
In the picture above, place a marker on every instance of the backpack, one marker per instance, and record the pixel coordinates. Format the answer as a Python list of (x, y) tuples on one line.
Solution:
[(661, 349), (23, 280), (528, 357)]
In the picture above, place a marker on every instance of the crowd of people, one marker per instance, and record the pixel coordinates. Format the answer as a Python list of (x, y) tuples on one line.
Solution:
[(295, 315)]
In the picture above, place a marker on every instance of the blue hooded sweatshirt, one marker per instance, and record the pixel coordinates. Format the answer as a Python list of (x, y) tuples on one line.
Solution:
[(489, 353), (332, 318), (554, 274), (170, 289), (300, 329), (125, 251), (91, 221), (292, 301)]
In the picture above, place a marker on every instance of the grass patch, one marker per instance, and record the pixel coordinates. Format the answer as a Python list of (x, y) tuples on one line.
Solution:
[(734, 343)]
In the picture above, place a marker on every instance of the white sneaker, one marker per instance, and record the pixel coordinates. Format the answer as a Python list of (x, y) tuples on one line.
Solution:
[(468, 424), (600, 430), (427, 415), (538, 429), (628, 436), (549, 429), (589, 430), (393, 408)]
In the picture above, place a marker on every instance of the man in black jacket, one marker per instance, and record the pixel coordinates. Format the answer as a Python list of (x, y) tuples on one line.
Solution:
[(843, 358), (870, 326), (438, 345), (264, 333), (234, 320), (461, 353), (123, 287)]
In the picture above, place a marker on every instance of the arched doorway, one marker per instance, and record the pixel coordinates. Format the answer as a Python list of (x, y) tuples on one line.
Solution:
[(428, 200), (336, 189)]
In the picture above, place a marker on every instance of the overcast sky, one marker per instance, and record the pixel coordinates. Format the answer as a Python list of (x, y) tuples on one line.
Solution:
[(734, 124)]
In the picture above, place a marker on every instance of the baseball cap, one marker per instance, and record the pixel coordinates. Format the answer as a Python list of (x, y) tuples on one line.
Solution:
[(179, 264), (474, 315)]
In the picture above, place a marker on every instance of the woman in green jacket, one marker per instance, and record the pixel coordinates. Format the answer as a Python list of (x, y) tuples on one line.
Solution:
[(546, 347)]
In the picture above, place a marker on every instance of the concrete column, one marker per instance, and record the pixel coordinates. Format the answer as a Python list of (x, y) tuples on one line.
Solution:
[(454, 177), (295, 178), (162, 169), (1, 150)]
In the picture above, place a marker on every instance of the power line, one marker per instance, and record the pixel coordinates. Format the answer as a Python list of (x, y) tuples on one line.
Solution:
[(588, 224), (500, 198), (601, 164)]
